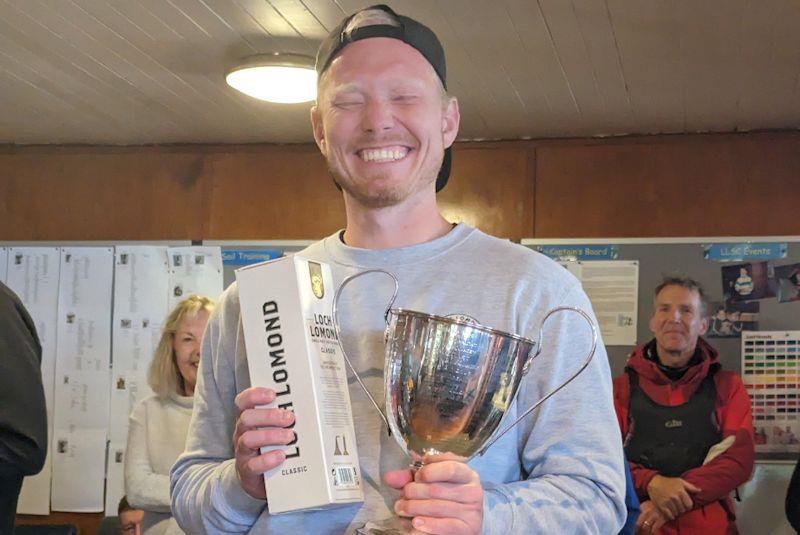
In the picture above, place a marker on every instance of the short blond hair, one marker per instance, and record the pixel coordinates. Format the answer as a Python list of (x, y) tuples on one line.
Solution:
[(163, 376)]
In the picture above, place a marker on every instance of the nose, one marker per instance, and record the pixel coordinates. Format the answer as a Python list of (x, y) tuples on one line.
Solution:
[(378, 116)]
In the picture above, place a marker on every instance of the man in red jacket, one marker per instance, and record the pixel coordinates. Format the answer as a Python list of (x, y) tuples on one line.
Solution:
[(686, 423)]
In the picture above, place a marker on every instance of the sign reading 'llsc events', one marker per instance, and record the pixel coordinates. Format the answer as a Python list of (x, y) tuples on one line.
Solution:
[(738, 252)]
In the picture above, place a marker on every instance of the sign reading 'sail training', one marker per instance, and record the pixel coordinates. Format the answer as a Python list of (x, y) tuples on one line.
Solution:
[(292, 348)]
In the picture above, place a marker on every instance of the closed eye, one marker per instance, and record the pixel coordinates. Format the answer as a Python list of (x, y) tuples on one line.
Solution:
[(405, 98), (347, 103)]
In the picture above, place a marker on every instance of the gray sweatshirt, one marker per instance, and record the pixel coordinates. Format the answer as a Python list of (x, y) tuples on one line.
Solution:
[(560, 470)]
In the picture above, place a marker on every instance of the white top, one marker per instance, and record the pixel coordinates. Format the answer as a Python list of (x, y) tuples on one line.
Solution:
[(156, 438)]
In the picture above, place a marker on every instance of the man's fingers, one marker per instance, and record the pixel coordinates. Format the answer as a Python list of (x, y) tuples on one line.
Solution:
[(253, 396), (446, 471), (250, 468), (691, 488), (432, 508), (449, 456), (397, 479), (266, 461), (666, 511), (439, 526), (645, 526), (686, 501), (257, 418), (466, 494), (257, 438), (678, 505)]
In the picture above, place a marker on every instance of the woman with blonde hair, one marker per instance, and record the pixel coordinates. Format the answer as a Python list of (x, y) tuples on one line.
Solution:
[(159, 423)]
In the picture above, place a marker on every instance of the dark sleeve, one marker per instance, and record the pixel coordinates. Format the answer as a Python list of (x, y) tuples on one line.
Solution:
[(793, 499), (23, 413)]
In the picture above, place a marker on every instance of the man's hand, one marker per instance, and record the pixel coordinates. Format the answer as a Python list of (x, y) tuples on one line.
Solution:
[(256, 428), (650, 519), (444, 497), (671, 495)]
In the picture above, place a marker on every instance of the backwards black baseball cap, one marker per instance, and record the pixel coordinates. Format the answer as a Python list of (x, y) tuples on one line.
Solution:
[(405, 29)]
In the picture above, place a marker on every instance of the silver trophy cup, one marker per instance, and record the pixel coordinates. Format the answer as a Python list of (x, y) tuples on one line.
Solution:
[(449, 380)]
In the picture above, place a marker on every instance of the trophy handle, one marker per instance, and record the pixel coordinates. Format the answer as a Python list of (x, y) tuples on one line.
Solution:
[(527, 365), (335, 317)]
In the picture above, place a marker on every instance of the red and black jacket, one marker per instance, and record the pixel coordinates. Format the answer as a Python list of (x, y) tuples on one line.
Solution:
[(719, 477)]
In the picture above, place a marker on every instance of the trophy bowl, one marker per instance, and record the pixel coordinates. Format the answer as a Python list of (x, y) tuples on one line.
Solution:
[(449, 380)]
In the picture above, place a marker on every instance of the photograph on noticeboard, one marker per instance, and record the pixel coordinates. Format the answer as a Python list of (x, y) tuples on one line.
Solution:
[(728, 320), (746, 282), (787, 279)]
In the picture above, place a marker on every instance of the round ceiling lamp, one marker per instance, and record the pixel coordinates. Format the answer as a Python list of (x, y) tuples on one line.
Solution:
[(280, 78)]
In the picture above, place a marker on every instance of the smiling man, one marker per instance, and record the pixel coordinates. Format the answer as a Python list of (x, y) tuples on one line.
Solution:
[(385, 123), (686, 423)]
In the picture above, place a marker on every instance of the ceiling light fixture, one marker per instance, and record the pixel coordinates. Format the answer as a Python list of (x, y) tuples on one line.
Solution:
[(280, 78)]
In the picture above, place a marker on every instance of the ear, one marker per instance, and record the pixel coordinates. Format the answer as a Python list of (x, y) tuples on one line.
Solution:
[(319, 131), (451, 118), (704, 326)]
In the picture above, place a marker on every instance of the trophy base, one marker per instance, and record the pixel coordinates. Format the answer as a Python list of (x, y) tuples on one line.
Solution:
[(389, 526)]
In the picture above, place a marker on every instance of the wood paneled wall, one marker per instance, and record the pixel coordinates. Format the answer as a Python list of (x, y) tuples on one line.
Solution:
[(713, 185), (219, 192), (691, 185)]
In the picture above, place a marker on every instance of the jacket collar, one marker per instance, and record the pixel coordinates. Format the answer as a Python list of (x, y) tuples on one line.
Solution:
[(649, 369)]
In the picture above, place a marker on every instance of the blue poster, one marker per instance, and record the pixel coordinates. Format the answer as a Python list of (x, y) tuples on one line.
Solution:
[(579, 252), (740, 252), (245, 257)]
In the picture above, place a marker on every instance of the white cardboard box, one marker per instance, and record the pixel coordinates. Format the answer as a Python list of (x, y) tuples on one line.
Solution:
[(292, 348)]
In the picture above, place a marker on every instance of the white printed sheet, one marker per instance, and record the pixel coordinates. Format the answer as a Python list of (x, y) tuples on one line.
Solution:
[(82, 385), (194, 270), (141, 282), (613, 289)]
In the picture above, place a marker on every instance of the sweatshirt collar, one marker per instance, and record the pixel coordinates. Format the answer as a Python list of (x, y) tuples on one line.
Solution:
[(367, 258)]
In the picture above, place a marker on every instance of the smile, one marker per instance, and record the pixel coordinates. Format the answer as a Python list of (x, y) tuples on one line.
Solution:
[(383, 154)]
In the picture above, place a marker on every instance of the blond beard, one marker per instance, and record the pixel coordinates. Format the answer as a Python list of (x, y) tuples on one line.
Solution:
[(386, 196)]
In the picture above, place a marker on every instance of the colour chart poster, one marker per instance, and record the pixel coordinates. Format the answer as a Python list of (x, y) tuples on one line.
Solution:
[(771, 374)]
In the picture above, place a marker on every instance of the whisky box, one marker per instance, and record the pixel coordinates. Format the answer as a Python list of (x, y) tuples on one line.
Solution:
[(292, 348)]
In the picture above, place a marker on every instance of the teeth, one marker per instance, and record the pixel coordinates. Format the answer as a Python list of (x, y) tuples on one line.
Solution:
[(383, 155)]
